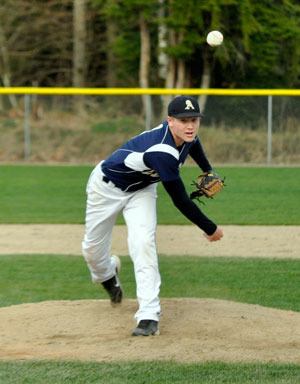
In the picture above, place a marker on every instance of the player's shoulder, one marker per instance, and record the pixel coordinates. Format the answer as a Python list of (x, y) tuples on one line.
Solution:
[(152, 136), (158, 131)]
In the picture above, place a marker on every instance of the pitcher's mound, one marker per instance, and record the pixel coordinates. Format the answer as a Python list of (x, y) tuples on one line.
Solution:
[(192, 330)]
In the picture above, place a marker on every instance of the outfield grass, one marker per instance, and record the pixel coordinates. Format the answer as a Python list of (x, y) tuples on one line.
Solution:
[(272, 283), (147, 372), (56, 194), (42, 194)]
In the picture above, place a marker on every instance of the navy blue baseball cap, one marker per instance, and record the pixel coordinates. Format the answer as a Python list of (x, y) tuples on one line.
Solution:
[(184, 106)]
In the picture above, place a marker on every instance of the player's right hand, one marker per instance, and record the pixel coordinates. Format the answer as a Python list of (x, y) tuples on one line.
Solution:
[(217, 235)]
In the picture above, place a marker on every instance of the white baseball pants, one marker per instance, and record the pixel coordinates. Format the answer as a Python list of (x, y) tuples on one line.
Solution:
[(104, 202)]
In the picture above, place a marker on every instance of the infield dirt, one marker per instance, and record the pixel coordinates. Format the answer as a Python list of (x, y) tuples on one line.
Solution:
[(238, 241), (192, 330)]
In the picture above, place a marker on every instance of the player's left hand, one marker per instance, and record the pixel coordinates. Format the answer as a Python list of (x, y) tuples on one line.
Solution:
[(208, 185)]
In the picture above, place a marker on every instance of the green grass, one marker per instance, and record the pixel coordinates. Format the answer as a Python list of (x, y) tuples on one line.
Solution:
[(56, 194), (272, 283), (260, 196), (146, 373), (42, 194)]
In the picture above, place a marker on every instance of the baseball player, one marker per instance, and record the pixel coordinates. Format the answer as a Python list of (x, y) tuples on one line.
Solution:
[(126, 182)]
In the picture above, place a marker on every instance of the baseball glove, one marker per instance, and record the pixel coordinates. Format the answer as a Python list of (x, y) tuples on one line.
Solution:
[(208, 184)]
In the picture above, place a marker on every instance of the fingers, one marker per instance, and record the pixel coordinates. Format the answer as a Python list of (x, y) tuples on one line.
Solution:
[(217, 235)]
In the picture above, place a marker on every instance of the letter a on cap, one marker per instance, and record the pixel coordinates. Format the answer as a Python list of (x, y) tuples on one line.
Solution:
[(189, 105)]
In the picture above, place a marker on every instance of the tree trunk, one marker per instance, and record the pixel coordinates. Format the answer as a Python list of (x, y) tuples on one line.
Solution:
[(180, 76), (171, 74), (111, 33), (5, 69), (79, 38), (79, 30), (205, 80), (162, 42), (144, 68), (180, 82), (145, 53)]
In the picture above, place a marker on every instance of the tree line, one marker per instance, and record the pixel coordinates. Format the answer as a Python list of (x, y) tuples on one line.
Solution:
[(149, 43)]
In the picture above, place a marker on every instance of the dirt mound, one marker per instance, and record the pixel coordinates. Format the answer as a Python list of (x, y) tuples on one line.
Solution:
[(192, 330)]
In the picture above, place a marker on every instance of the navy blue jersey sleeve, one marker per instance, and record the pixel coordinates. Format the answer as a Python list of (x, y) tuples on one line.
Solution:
[(198, 155), (165, 164)]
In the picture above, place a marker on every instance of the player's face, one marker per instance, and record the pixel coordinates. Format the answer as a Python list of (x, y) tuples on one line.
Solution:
[(184, 129)]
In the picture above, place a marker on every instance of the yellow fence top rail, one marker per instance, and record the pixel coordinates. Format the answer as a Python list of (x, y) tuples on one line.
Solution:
[(147, 91)]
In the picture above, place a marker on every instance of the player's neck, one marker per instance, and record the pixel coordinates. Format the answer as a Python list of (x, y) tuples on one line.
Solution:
[(178, 141)]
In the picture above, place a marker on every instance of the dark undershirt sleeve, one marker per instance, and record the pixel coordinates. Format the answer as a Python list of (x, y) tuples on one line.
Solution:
[(198, 155), (163, 163), (187, 207)]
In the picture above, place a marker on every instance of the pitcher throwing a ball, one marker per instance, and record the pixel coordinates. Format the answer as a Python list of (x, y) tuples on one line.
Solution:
[(126, 182)]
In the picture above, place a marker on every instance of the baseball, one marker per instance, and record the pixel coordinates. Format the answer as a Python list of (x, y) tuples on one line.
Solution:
[(214, 38)]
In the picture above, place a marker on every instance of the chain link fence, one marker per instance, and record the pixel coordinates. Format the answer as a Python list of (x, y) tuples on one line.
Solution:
[(236, 129)]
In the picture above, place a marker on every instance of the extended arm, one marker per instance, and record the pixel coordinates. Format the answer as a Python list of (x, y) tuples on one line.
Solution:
[(187, 207)]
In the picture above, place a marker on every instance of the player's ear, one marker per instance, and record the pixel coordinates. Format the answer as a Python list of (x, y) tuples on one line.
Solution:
[(170, 120)]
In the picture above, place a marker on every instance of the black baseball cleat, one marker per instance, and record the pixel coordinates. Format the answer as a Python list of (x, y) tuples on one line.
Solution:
[(146, 328), (113, 286)]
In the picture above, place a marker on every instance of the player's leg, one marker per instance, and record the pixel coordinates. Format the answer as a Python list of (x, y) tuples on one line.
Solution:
[(103, 204), (140, 217)]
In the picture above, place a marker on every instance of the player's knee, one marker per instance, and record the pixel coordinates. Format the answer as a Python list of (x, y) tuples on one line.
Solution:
[(144, 242), (90, 251)]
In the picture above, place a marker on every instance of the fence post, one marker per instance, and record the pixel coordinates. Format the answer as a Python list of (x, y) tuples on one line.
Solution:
[(269, 139), (27, 138), (148, 112)]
